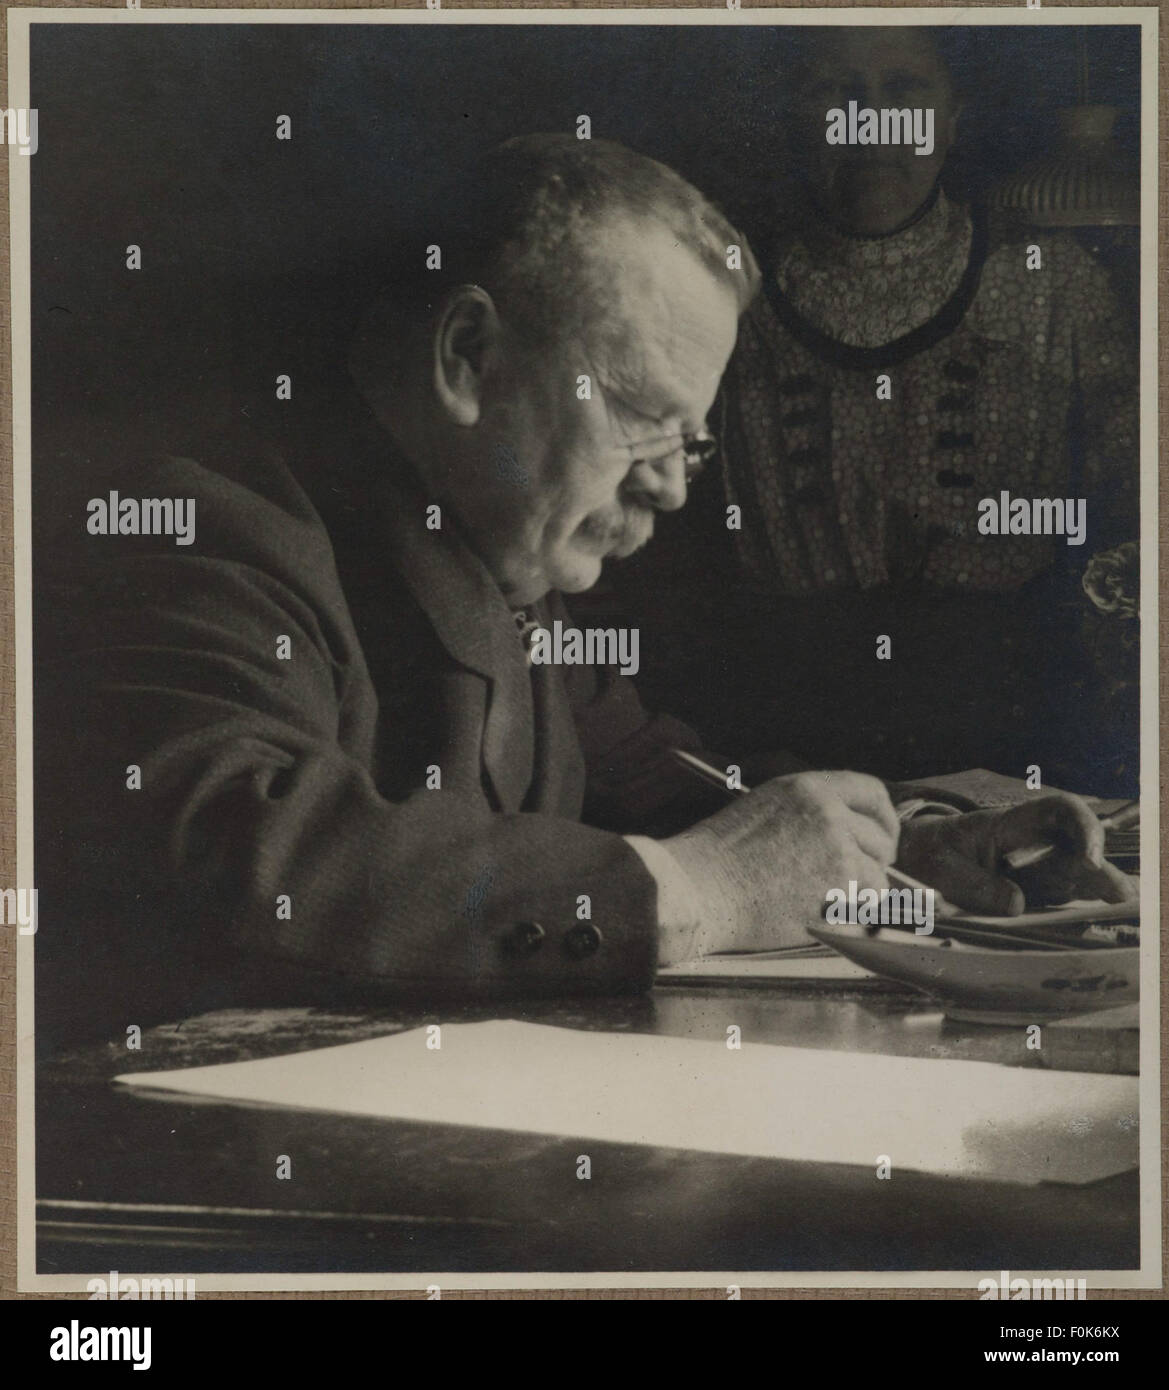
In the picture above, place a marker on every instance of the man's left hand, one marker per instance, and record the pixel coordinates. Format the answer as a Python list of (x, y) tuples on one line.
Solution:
[(963, 857)]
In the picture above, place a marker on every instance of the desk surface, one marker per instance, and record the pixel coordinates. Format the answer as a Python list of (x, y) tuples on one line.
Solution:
[(189, 1186)]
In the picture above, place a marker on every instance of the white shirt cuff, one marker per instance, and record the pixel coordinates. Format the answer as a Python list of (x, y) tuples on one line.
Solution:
[(678, 914)]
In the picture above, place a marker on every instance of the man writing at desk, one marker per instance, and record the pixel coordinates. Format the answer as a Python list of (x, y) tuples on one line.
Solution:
[(309, 752)]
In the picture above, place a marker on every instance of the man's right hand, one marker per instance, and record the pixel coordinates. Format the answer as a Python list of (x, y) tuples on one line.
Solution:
[(762, 867)]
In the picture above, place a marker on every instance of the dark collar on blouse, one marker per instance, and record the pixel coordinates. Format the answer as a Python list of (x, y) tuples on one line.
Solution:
[(940, 326)]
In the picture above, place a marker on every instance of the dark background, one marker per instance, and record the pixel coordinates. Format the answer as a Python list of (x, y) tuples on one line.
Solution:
[(257, 253)]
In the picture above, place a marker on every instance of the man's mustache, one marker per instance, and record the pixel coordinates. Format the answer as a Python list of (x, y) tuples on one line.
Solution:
[(636, 532), (623, 532)]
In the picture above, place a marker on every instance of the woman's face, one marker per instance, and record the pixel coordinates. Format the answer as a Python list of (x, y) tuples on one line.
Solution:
[(869, 190)]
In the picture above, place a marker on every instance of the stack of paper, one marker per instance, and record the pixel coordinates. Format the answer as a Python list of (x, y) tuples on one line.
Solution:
[(968, 1119), (811, 962)]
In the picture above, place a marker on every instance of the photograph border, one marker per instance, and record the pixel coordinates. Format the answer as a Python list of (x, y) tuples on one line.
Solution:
[(17, 1195)]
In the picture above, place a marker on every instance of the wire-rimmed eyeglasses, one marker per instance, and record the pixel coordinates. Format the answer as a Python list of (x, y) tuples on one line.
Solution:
[(696, 449)]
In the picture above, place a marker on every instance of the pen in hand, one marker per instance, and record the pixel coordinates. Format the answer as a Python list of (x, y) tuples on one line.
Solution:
[(716, 778)]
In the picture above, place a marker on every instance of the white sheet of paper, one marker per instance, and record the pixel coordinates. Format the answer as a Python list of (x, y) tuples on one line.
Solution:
[(768, 965), (973, 1119)]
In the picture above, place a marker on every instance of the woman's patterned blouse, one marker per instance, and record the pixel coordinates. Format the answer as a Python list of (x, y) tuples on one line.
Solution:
[(1001, 378)]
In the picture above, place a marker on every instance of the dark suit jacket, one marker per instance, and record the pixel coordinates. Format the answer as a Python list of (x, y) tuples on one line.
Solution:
[(284, 842)]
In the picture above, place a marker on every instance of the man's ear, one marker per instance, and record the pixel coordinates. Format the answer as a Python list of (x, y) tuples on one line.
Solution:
[(465, 341)]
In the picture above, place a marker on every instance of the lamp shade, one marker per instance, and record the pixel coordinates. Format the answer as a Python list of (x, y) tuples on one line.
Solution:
[(1082, 183)]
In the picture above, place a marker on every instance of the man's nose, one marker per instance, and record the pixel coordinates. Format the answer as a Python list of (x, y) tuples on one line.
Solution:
[(660, 484)]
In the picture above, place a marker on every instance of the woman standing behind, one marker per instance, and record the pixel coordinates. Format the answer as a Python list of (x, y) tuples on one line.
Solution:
[(906, 359)]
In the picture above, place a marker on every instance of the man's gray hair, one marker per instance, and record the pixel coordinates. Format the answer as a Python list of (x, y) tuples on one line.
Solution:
[(527, 223)]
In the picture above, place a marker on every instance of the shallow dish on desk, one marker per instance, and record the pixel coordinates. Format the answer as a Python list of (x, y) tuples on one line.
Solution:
[(990, 985)]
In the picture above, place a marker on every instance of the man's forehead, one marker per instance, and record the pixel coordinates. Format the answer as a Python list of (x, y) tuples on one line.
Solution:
[(668, 326)]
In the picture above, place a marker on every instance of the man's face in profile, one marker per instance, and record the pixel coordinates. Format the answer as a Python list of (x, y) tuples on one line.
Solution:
[(870, 190), (580, 479)]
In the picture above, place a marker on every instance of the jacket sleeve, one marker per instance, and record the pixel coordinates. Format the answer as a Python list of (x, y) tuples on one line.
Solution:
[(634, 785), (254, 839)]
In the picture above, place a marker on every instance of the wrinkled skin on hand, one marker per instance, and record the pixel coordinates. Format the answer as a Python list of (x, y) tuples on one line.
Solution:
[(762, 867)]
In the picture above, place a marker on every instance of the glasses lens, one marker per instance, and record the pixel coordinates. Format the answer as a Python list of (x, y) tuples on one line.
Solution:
[(695, 450), (699, 451)]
